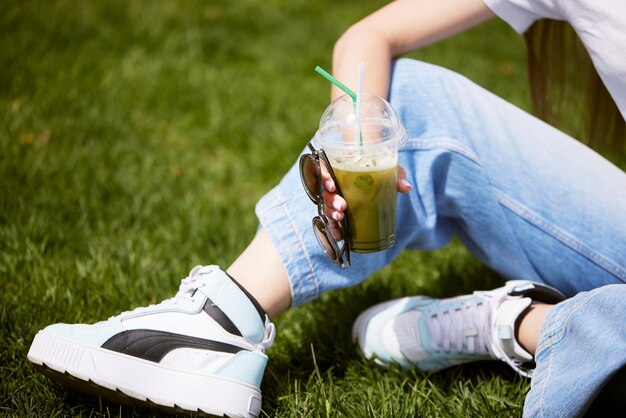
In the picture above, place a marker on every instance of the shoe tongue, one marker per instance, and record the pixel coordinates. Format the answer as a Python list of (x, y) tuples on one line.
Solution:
[(462, 325), (508, 312)]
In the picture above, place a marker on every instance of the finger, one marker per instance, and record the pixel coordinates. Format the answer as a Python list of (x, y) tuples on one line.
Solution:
[(336, 215), (334, 206), (334, 201), (327, 180), (403, 185)]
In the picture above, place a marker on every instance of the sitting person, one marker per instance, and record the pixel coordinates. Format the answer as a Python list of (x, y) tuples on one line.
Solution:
[(530, 202)]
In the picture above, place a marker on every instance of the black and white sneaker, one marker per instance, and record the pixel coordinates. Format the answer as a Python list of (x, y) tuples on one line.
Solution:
[(200, 351)]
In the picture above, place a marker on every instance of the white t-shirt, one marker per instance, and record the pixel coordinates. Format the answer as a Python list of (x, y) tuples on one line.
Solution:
[(600, 24)]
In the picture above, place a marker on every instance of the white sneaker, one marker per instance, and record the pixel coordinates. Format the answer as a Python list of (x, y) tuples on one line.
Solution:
[(433, 334), (200, 351)]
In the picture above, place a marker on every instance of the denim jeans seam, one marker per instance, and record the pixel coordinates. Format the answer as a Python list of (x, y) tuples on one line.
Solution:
[(542, 382), (572, 310), (557, 233), (553, 336), (300, 243), (556, 339)]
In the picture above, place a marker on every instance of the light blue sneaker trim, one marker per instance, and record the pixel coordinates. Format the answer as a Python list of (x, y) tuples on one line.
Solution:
[(246, 367), (94, 335), (224, 293), (373, 327), (438, 360), (373, 341)]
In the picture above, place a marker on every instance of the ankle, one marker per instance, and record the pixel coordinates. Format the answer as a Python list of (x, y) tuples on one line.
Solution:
[(259, 270), (528, 325)]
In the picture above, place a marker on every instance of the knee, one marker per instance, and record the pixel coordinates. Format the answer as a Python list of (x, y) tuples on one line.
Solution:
[(410, 77), (424, 96)]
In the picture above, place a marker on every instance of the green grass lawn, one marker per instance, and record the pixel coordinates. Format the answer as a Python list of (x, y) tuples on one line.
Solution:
[(135, 139)]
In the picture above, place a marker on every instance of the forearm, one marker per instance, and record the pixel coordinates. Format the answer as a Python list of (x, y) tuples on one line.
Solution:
[(361, 44), (395, 29)]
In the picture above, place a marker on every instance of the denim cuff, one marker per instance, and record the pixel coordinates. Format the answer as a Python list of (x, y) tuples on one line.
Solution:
[(580, 348)]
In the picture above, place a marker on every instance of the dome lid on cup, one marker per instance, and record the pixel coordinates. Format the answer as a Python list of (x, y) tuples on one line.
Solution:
[(379, 124)]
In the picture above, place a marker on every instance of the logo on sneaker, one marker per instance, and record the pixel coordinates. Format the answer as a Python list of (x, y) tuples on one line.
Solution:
[(153, 345)]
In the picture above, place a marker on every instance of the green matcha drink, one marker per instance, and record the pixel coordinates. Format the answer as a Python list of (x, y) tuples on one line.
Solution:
[(363, 153), (371, 195)]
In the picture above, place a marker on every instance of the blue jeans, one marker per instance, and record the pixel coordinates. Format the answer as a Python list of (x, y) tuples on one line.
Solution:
[(526, 199), (582, 345)]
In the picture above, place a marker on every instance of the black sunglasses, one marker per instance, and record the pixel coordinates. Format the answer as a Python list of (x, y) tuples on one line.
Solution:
[(333, 236)]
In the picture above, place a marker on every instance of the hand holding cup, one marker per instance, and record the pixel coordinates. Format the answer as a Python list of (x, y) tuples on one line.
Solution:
[(336, 205), (361, 143)]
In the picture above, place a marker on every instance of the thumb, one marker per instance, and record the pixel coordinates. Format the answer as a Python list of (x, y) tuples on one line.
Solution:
[(403, 185)]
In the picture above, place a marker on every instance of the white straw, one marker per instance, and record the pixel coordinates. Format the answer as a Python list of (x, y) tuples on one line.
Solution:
[(357, 118)]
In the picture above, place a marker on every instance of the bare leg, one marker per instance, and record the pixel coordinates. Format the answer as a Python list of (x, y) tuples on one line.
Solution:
[(260, 271), (529, 327)]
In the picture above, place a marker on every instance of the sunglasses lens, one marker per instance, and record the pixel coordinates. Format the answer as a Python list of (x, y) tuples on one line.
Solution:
[(320, 233), (329, 233), (308, 174)]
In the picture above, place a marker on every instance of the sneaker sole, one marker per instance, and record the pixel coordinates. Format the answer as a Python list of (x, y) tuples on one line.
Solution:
[(127, 379)]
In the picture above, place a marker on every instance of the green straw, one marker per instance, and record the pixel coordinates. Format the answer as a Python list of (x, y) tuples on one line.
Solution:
[(343, 87), (336, 82)]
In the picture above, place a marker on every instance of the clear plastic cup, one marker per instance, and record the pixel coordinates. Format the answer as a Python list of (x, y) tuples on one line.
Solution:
[(365, 165)]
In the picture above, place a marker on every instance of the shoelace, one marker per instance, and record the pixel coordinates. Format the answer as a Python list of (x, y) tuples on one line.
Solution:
[(189, 284), (185, 291), (268, 337), (464, 328)]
